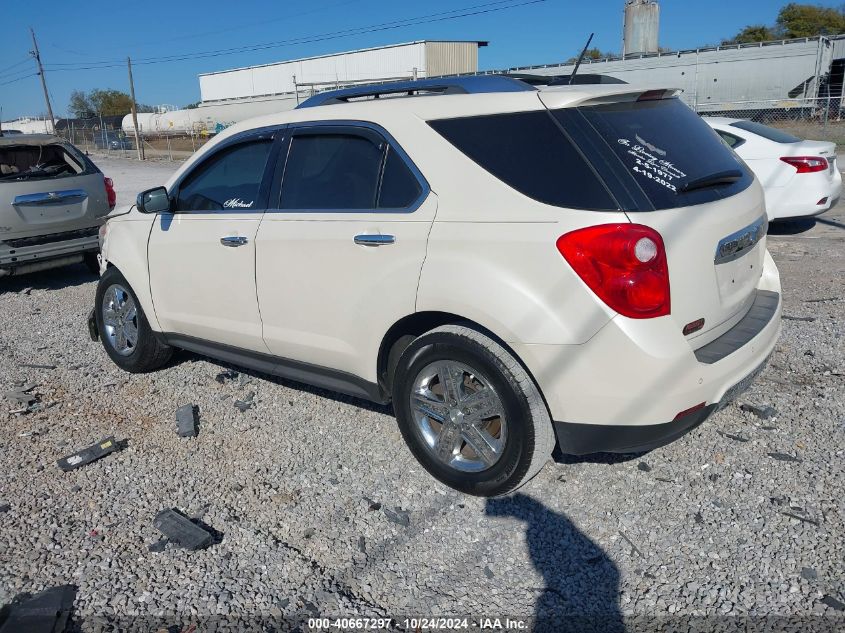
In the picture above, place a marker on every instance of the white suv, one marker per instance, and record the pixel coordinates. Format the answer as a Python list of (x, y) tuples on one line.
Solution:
[(511, 266)]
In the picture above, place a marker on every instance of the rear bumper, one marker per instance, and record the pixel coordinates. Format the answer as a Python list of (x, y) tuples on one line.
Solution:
[(800, 201), (583, 439), (11, 257), (618, 391)]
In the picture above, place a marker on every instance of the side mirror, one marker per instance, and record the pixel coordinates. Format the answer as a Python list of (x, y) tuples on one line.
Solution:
[(153, 201)]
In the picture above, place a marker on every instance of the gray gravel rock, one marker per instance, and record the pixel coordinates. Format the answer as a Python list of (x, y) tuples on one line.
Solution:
[(714, 523)]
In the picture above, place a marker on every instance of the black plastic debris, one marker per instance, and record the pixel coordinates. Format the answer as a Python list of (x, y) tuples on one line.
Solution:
[(764, 413), (373, 505), (45, 612), (643, 467), (158, 546), (804, 519), (89, 454), (398, 516), (808, 573), (362, 545), (181, 531), (35, 366), (246, 403), (223, 376), (187, 420), (488, 572), (833, 603), (784, 457), (5, 507), (788, 317), (731, 436)]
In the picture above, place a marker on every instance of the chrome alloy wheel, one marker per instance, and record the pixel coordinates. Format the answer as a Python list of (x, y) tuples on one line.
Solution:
[(120, 319), (459, 415)]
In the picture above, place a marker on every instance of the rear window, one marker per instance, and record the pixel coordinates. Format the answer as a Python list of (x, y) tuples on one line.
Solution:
[(675, 157), (778, 136), (39, 162), (527, 151)]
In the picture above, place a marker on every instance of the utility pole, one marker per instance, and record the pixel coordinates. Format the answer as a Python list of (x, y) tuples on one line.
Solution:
[(37, 57), (134, 111)]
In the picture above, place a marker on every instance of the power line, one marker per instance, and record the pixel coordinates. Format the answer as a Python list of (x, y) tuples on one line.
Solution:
[(488, 7), (19, 79), (25, 60)]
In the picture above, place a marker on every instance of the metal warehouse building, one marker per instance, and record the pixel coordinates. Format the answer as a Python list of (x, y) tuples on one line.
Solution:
[(400, 61)]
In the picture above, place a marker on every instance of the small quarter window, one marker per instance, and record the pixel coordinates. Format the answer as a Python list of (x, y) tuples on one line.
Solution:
[(399, 187), (230, 179)]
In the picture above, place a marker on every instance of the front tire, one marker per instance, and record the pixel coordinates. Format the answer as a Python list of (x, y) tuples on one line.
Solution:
[(470, 413), (124, 330)]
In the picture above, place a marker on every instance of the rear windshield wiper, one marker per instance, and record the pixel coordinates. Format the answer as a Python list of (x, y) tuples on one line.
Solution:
[(712, 180)]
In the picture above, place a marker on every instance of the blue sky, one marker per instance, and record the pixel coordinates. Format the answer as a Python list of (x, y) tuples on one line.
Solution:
[(78, 33)]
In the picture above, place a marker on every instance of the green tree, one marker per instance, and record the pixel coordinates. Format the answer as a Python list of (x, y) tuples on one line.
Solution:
[(808, 20), (753, 33), (110, 102), (79, 105)]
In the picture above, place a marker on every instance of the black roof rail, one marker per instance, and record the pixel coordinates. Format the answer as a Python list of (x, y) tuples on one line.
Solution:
[(442, 85)]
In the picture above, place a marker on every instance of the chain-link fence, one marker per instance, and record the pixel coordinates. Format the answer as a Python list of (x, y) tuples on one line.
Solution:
[(815, 119)]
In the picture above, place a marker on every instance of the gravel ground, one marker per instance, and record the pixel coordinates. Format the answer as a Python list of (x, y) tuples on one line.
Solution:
[(320, 508)]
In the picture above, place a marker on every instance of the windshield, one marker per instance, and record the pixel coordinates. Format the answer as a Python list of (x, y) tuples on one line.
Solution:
[(28, 162), (675, 157), (778, 136)]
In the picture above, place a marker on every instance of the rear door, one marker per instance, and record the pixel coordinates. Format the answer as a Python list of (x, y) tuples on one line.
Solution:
[(48, 189), (202, 253), (673, 173), (339, 257)]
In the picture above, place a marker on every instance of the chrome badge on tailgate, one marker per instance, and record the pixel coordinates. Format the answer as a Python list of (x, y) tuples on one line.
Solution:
[(737, 244)]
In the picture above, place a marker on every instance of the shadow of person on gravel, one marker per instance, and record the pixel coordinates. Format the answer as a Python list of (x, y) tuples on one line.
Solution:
[(582, 583)]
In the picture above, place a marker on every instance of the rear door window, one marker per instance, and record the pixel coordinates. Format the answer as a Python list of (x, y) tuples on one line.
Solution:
[(527, 151), (230, 179), (39, 162), (668, 151)]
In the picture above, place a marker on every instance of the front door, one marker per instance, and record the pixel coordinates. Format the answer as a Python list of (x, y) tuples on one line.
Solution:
[(202, 253)]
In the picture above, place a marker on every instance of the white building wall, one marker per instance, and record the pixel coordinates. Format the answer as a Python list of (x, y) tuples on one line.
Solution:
[(401, 61)]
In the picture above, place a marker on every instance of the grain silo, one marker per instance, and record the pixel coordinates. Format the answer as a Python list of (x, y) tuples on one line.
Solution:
[(640, 28)]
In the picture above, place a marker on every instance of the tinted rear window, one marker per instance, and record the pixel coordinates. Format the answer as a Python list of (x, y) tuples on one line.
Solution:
[(665, 146), (527, 151), (778, 136)]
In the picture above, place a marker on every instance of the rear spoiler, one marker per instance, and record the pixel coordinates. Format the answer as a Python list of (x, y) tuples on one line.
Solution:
[(569, 96)]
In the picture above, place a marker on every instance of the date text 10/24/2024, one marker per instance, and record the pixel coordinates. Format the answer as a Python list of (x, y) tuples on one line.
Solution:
[(418, 624)]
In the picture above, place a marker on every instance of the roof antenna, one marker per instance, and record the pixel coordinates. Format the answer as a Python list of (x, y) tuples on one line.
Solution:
[(580, 57)]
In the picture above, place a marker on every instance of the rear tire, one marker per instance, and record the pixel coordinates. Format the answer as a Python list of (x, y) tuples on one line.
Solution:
[(488, 431), (124, 330)]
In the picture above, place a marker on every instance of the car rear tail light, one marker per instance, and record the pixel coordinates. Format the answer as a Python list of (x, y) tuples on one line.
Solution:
[(110, 193), (624, 264), (806, 164)]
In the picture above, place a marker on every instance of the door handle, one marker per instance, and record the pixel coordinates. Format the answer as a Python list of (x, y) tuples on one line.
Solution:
[(233, 240), (374, 240)]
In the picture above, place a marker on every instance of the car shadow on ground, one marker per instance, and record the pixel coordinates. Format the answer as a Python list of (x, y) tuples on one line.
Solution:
[(53, 279), (792, 227), (581, 591)]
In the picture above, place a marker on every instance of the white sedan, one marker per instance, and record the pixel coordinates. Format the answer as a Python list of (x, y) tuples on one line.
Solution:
[(799, 178)]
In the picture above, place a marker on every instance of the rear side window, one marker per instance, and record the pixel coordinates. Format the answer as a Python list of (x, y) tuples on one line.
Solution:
[(675, 157), (230, 179), (345, 171), (331, 171), (778, 136), (527, 151), (731, 140)]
